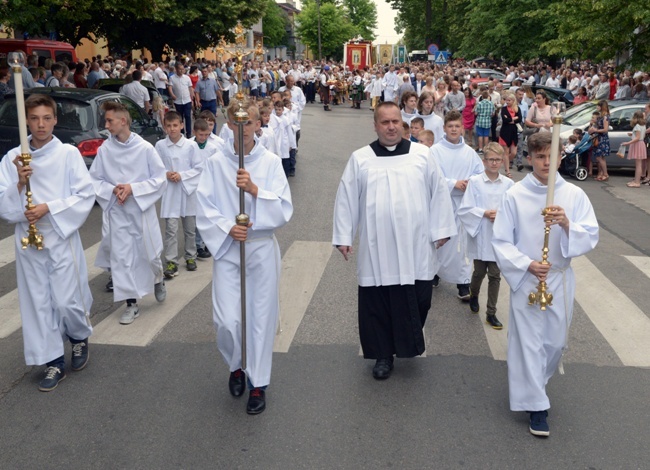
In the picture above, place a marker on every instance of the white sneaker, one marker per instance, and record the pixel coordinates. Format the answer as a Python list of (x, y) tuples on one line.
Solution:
[(160, 291), (130, 314)]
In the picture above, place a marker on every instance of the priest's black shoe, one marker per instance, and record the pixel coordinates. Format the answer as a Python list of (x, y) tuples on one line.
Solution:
[(256, 402), (237, 383), (473, 304), (382, 369)]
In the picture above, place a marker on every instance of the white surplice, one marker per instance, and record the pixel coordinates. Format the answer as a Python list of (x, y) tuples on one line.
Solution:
[(53, 291), (482, 194), (131, 242), (218, 198), (537, 338), (183, 157), (457, 162), (435, 124), (400, 206)]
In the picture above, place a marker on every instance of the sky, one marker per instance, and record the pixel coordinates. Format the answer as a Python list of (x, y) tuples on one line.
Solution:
[(385, 23)]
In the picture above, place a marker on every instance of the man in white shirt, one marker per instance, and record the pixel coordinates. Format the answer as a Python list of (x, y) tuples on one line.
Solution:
[(181, 91), (137, 92), (160, 79), (574, 84)]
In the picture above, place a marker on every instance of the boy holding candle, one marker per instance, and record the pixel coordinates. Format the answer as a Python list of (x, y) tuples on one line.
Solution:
[(537, 338), (53, 292)]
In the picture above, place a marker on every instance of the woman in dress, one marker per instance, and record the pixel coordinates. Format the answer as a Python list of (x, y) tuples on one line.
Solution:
[(469, 117), (508, 137), (539, 114), (439, 96), (613, 85), (79, 76), (637, 148), (600, 130)]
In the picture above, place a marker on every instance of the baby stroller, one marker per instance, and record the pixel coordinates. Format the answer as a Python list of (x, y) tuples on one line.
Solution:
[(573, 162)]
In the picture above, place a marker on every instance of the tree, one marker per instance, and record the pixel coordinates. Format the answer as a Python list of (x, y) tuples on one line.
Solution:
[(598, 29), (275, 23), (187, 25), (503, 29), (336, 28), (363, 15)]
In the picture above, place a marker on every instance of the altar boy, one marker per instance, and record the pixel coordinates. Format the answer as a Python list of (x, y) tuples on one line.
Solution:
[(477, 212), (53, 292), (268, 203), (536, 338)]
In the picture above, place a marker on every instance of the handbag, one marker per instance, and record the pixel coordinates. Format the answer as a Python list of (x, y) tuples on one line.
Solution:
[(528, 131)]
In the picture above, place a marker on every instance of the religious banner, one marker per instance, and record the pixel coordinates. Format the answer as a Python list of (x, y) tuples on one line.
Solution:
[(385, 54), (357, 55)]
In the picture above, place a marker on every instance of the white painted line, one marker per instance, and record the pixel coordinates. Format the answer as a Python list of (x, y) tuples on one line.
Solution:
[(7, 250), (641, 262), (624, 325), (10, 315), (153, 315), (497, 339), (302, 268)]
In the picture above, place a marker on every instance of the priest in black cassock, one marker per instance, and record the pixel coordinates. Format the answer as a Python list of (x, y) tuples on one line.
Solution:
[(395, 197)]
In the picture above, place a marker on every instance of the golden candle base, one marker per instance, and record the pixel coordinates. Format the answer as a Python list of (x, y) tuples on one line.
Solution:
[(542, 296), (33, 238)]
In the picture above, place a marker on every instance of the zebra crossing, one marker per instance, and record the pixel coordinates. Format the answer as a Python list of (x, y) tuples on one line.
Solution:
[(617, 318)]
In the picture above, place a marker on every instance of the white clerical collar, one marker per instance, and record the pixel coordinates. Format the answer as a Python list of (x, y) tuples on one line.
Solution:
[(391, 148)]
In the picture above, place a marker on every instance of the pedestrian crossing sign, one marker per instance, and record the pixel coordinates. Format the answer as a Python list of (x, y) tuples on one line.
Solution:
[(441, 57)]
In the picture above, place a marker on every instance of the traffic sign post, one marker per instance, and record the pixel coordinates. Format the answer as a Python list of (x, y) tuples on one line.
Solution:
[(432, 49)]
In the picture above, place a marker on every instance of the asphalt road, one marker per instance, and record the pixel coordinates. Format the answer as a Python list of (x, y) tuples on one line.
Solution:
[(166, 404)]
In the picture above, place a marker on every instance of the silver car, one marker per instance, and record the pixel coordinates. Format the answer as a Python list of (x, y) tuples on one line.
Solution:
[(621, 112)]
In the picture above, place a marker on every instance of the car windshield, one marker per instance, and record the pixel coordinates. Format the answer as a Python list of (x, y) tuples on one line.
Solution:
[(580, 115), (71, 115)]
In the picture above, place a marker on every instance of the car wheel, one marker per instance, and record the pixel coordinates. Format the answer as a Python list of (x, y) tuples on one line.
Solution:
[(581, 173)]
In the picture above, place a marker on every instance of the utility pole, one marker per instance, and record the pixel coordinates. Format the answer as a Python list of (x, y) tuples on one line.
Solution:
[(320, 52)]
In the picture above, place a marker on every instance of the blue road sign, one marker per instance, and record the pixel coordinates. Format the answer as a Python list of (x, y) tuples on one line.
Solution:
[(441, 57), (432, 49)]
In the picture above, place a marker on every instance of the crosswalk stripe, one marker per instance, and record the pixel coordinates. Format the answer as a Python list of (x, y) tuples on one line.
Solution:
[(497, 339), (153, 316), (9, 313), (302, 268), (641, 262), (625, 327), (7, 250)]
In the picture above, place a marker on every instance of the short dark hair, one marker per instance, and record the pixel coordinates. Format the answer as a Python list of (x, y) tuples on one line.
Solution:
[(540, 141), (172, 116), (417, 120), (137, 75), (202, 125), (56, 67), (382, 105), (116, 107), (207, 115), (38, 99), (453, 115)]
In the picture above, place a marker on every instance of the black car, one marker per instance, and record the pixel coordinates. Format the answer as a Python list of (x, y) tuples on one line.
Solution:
[(80, 121), (555, 94)]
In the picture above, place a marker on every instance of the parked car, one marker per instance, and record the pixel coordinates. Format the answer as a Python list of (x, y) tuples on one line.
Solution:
[(80, 121), (481, 76), (621, 112), (555, 94)]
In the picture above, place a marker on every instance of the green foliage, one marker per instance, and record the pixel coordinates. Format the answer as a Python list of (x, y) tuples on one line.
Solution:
[(529, 29), (363, 15), (185, 25), (275, 23), (336, 28)]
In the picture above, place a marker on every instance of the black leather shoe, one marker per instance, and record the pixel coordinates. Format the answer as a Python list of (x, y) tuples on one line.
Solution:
[(463, 292), (436, 281), (237, 383), (382, 369), (493, 321), (256, 402), (473, 304)]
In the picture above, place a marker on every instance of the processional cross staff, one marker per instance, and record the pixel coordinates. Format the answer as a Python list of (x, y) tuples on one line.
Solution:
[(16, 61), (242, 219), (543, 297)]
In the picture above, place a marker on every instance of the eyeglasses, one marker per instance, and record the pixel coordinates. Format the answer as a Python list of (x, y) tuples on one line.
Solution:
[(493, 161)]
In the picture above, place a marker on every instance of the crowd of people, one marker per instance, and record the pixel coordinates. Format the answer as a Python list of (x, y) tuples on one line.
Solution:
[(427, 202)]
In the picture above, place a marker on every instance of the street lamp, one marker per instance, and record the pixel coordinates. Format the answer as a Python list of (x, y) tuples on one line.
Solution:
[(320, 52)]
